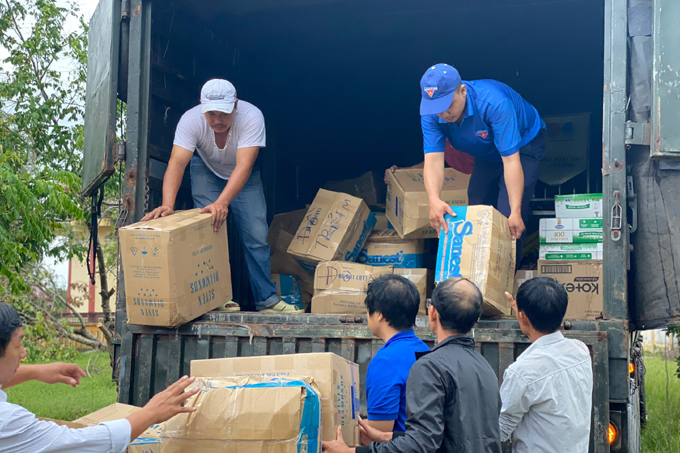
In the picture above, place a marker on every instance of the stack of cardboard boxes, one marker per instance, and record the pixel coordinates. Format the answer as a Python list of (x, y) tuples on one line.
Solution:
[(571, 252)]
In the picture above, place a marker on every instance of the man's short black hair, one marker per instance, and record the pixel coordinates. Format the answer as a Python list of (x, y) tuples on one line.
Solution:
[(459, 304), (10, 321), (396, 298), (544, 301)]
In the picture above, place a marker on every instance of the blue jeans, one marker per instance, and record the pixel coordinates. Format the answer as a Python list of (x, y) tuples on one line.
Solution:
[(487, 184), (250, 213)]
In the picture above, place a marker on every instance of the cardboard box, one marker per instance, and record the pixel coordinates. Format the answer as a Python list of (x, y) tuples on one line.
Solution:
[(580, 206), (583, 251), (420, 278), (336, 378), (288, 289), (381, 221), (583, 282), (340, 286), (176, 268), (567, 148), (479, 247), (248, 415), (370, 187), (385, 247), (567, 231), (335, 228), (148, 442), (408, 208), (288, 222)]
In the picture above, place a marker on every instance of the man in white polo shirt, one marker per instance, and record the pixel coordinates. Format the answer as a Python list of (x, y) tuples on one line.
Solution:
[(221, 138)]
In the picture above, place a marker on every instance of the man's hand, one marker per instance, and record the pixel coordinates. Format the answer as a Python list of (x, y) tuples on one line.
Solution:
[(437, 210), (60, 373), (168, 403), (161, 211), (389, 173), (219, 213), (336, 446), (516, 225), (370, 434)]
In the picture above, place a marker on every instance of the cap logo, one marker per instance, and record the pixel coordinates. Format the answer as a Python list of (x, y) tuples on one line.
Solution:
[(483, 134), (216, 97), (430, 90)]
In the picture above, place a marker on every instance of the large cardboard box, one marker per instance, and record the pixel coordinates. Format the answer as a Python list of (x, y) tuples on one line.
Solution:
[(479, 247), (335, 228), (370, 187), (567, 148), (578, 251), (337, 380), (580, 206), (288, 222), (340, 286), (420, 278), (176, 268), (148, 442), (583, 282), (248, 415), (408, 208), (567, 231), (385, 248)]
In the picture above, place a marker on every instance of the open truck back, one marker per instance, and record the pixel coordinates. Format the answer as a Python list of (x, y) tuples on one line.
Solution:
[(337, 83)]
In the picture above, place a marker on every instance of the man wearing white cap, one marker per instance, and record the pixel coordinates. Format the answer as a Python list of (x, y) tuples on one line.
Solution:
[(221, 138)]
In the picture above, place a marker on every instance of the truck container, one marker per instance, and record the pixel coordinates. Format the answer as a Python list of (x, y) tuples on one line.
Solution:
[(337, 81)]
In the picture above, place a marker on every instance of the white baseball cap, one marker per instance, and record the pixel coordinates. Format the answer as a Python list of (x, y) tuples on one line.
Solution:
[(218, 95)]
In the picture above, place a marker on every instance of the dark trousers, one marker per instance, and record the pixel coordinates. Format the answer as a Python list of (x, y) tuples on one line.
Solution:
[(487, 183)]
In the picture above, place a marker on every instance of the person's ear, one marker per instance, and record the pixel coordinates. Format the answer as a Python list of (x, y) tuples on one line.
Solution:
[(463, 90)]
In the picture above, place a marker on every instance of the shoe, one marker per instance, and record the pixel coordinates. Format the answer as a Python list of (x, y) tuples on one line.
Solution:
[(229, 307), (281, 307)]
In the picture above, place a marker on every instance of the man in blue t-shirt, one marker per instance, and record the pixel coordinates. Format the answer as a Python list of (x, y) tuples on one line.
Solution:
[(490, 121), (392, 302)]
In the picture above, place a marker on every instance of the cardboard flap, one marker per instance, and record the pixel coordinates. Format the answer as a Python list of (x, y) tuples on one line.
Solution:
[(169, 223), (412, 180)]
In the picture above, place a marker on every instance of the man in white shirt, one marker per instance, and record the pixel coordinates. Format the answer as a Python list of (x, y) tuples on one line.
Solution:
[(221, 138), (547, 392), (22, 432)]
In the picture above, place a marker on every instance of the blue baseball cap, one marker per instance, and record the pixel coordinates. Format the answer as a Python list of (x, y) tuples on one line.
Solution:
[(437, 87)]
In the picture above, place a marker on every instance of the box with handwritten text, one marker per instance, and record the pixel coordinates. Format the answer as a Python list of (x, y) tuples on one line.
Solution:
[(337, 380), (408, 207), (176, 269), (335, 228)]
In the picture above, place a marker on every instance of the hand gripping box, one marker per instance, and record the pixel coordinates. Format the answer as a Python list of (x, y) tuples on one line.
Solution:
[(176, 268), (335, 228), (248, 414), (479, 247), (336, 379), (408, 207)]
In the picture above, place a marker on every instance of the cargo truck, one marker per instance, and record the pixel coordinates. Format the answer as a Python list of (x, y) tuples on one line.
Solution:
[(337, 82)]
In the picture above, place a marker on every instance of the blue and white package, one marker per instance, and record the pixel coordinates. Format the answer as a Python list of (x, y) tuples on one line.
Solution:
[(386, 248), (478, 246), (288, 289)]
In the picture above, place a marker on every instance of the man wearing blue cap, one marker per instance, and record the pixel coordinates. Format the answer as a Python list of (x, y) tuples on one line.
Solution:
[(490, 121)]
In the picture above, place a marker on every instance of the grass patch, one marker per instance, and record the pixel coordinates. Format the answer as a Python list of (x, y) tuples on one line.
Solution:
[(63, 402), (655, 434)]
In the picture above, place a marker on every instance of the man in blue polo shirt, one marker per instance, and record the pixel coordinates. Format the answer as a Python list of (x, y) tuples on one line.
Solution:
[(490, 121), (392, 302)]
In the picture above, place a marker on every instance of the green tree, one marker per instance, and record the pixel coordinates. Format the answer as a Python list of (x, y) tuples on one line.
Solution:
[(41, 149)]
